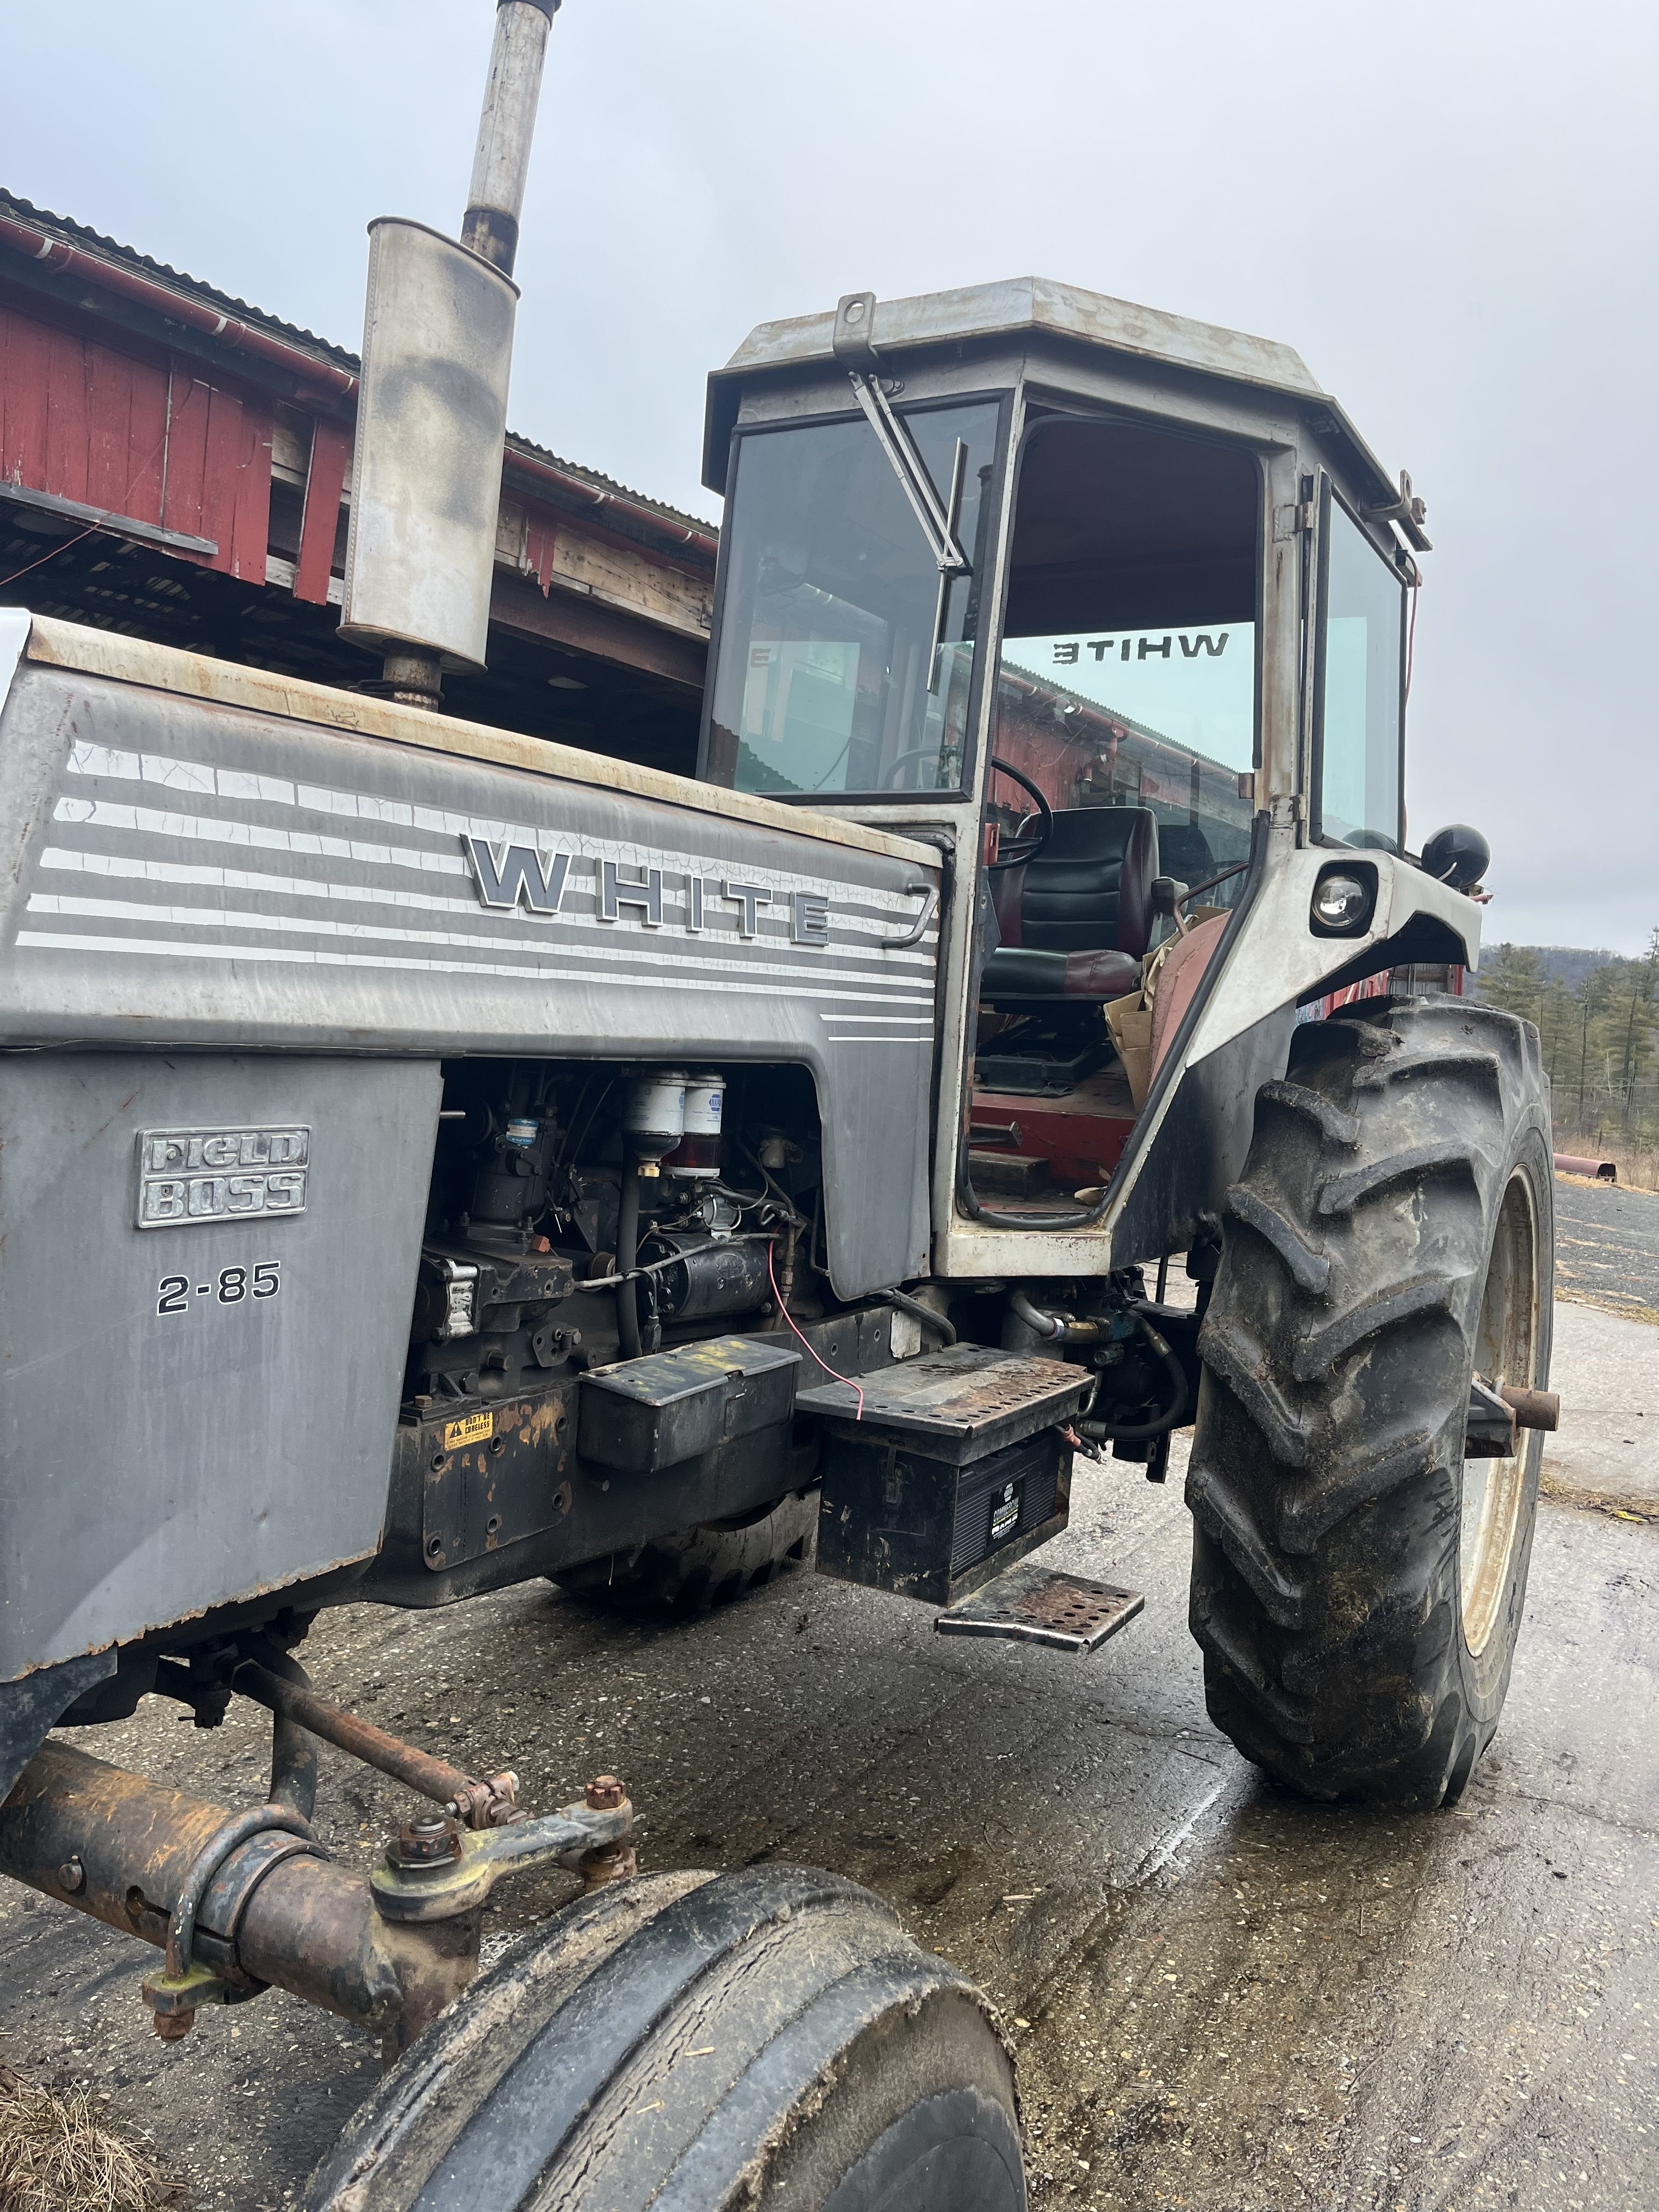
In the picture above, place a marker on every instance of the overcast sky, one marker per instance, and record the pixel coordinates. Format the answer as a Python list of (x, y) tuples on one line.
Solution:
[(1449, 209)]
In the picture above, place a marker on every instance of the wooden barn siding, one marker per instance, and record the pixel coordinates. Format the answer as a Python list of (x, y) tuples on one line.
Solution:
[(330, 465), (141, 433), (120, 421)]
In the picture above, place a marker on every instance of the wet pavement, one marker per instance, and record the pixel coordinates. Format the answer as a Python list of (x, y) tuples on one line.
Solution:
[(1221, 1998)]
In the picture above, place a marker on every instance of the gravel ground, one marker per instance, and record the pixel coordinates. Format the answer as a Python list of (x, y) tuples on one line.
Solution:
[(1604, 1454), (1606, 1246), (1222, 1998)]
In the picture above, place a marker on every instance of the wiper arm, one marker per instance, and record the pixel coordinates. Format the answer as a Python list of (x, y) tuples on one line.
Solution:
[(939, 518)]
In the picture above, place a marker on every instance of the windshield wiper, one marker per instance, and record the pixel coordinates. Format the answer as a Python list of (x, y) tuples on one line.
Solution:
[(855, 315), (941, 519)]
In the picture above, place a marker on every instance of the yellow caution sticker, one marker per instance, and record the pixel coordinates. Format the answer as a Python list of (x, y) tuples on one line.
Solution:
[(475, 1429)]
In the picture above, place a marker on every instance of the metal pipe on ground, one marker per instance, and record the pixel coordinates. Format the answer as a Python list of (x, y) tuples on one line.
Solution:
[(120, 1847)]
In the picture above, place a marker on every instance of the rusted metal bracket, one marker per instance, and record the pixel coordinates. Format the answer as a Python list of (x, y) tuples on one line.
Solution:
[(174, 1995), (133, 1853), (438, 1875), (1033, 1604), (239, 1900), (1410, 511), (242, 1901)]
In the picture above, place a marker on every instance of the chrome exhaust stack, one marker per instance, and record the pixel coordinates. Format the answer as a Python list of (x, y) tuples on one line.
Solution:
[(426, 467), (501, 161)]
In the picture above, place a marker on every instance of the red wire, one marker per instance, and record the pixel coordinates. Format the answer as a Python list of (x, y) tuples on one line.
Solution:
[(785, 1311), (63, 546)]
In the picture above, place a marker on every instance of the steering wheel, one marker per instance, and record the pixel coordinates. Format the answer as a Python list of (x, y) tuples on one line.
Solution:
[(891, 775), (1025, 844)]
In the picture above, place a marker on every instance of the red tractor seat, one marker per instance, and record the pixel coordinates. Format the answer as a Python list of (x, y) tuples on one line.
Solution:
[(1076, 919)]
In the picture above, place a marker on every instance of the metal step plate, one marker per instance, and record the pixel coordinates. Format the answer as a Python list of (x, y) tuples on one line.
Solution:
[(1036, 1605)]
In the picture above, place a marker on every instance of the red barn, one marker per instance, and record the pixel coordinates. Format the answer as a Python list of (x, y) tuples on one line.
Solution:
[(173, 466)]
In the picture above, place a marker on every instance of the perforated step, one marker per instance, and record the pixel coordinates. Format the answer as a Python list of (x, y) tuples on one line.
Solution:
[(1032, 1604)]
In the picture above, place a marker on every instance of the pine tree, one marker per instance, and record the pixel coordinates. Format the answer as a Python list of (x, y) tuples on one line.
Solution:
[(1512, 979)]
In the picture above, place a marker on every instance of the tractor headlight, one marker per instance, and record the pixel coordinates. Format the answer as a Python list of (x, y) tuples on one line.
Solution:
[(1343, 900)]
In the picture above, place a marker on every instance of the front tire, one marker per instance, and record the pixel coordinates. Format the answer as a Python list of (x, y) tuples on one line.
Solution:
[(1357, 1588), (694, 2043)]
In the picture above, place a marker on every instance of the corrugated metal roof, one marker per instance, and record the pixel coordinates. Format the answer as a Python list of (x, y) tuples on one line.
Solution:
[(94, 242), (80, 234)]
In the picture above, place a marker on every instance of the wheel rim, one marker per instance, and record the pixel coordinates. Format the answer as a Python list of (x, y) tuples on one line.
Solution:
[(1506, 1351)]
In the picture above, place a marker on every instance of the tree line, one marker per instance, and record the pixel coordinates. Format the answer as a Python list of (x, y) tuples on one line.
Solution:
[(1600, 1038)]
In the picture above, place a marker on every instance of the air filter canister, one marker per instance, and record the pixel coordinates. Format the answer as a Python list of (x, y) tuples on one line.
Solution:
[(653, 1112), (699, 1153)]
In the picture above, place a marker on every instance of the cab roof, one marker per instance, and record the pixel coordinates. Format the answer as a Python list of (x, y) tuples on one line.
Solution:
[(1022, 304), (1037, 307)]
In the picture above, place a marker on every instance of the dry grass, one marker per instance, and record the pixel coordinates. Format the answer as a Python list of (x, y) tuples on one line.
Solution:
[(1626, 1309), (56, 2156), (1613, 1501)]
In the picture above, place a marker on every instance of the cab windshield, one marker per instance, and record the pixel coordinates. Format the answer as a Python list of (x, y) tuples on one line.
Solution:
[(844, 662)]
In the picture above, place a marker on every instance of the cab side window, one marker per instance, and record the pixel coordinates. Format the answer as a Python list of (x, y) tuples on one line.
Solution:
[(1359, 687)]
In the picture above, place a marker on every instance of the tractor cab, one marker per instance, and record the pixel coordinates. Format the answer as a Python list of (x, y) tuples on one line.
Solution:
[(1111, 606)]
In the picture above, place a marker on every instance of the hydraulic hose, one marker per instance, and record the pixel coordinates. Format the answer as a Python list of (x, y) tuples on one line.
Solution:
[(1055, 1327), (945, 1330), (628, 1253), (1132, 1433)]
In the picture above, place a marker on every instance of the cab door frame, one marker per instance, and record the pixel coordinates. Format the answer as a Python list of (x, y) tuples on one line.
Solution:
[(963, 1248)]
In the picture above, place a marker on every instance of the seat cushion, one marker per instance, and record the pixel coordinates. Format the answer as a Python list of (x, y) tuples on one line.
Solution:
[(1016, 973)]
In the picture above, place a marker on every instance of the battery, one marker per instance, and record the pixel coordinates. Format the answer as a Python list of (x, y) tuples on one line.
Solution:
[(951, 1467)]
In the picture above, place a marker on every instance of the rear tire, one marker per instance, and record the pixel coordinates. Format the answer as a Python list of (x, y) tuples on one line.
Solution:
[(698, 2043), (691, 1571), (1357, 1590)]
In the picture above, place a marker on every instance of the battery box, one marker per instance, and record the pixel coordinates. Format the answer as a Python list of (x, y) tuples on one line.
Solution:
[(644, 1414), (949, 1468)]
